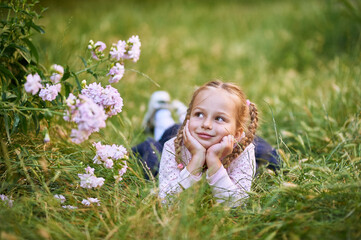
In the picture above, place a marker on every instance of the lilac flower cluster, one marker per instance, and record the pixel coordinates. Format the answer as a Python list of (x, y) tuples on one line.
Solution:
[(69, 207), (121, 172), (89, 201), (134, 51), (126, 50), (88, 116), (90, 109), (89, 180), (116, 73), (6, 200), (57, 73), (118, 50), (33, 83), (86, 202), (82, 109), (106, 154), (50, 91), (97, 49), (60, 198), (108, 98)]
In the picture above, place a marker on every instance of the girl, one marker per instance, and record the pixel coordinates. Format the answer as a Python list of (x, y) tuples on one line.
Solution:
[(215, 139)]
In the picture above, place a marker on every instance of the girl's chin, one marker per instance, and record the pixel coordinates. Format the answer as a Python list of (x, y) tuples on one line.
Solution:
[(206, 144)]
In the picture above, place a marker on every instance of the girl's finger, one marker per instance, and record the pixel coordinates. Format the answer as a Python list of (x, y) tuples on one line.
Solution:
[(231, 140), (184, 130)]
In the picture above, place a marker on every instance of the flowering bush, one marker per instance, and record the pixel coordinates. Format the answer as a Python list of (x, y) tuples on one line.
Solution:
[(89, 107), (94, 104), (30, 91), (18, 57)]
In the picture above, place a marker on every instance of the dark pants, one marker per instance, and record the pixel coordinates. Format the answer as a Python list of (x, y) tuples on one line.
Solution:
[(150, 150)]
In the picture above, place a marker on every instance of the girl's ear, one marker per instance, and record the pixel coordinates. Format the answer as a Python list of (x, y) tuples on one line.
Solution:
[(238, 134)]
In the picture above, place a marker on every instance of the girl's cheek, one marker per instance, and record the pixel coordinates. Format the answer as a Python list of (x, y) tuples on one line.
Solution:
[(193, 133)]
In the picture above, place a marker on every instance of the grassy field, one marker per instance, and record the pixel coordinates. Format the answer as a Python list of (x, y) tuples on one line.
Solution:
[(299, 61)]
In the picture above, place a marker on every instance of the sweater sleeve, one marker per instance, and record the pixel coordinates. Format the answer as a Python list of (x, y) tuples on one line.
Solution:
[(171, 179), (232, 185)]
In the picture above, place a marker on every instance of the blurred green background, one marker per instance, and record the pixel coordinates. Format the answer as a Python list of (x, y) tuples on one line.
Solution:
[(288, 56), (299, 61)]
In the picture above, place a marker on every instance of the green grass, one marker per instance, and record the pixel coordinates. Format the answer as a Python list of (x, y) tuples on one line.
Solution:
[(299, 61)]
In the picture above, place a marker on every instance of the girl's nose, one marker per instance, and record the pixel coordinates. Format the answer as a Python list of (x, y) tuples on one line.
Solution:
[(207, 123)]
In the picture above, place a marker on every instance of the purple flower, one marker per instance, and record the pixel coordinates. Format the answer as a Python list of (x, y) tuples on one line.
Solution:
[(71, 101), (33, 84), (107, 153), (58, 72), (126, 50), (94, 200), (121, 172), (89, 170), (108, 97), (7, 200), (60, 197), (69, 207), (85, 202), (97, 49), (118, 50), (50, 92), (89, 180), (116, 73), (46, 138), (134, 51), (89, 117), (108, 163), (100, 46), (89, 201), (79, 136)]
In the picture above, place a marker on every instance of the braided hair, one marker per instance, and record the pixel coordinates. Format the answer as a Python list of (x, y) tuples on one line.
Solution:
[(246, 113)]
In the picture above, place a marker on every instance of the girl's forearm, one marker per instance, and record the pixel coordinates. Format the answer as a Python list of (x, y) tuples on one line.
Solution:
[(213, 164), (195, 165)]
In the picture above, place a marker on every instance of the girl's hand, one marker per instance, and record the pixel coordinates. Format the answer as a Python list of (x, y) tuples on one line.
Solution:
[(196, 149), (217, 152), (190, 142)]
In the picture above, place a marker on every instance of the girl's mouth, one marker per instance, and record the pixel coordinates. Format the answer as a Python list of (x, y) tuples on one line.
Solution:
[(204, 135)]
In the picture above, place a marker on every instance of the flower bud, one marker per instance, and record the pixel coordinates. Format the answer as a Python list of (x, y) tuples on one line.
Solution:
[(83, 83), (47, 137)]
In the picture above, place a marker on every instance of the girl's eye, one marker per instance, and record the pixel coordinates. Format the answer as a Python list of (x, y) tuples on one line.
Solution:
[(199, 114), (220, 119)]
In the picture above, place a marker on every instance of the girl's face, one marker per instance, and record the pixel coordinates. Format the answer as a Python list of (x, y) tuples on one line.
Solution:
[(213, 116)]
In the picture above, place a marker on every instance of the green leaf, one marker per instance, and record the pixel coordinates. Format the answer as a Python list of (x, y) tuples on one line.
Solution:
[(47, 114), (24, 124), (16, 123), (36, 122), (84, 61), (77, 81), (32, 48), (8, 95), (92, 73), (6, 72), (22, 50), (36, 27), (66, 74), (68, 88), (3, 5), (6, 119)]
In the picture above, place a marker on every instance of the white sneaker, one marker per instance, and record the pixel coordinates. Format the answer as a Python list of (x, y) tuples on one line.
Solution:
[(180, 109), (158, 100)]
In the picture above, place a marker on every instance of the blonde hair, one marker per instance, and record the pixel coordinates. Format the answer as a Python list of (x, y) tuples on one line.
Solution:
[(246, 113)]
